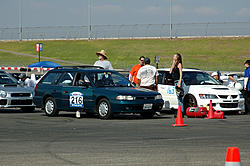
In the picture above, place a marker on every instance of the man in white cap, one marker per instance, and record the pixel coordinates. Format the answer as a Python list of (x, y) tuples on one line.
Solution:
[(221, 78), (103, 62)]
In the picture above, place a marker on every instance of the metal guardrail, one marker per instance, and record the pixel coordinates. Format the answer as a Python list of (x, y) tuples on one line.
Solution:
[(128, 31)]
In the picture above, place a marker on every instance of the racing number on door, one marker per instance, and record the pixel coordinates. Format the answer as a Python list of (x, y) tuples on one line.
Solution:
[(76, 99), (171, 90)]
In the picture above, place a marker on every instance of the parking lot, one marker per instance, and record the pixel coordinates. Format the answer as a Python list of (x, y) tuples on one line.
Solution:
[(35, 139)]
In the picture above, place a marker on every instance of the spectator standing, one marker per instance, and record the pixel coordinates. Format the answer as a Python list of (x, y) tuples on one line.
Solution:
[(148, 76), (103, 62), (247, 86), (176, 71), (27, 82), (135, 69)]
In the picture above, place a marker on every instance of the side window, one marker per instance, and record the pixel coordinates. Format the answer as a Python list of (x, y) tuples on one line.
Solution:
[(51, 78), (67, 79), (81, 79), (165, 78)]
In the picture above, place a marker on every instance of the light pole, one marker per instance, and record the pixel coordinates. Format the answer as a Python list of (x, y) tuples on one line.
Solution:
[(20, 21), (89, 19), (170, 23)]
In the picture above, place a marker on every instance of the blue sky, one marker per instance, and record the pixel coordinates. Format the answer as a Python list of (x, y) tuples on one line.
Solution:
[(74, 12)]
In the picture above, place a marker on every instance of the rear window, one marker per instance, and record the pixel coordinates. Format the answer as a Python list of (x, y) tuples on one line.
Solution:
[(51, 78)]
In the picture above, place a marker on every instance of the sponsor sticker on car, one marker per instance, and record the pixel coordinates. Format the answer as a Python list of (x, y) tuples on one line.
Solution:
[(76, 99)]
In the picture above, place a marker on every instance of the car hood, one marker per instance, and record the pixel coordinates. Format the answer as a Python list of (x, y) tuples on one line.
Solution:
[(213, 89), (130, 91), (16, 89)]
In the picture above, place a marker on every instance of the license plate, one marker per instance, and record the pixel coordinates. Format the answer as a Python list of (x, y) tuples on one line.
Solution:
[(147, 106)]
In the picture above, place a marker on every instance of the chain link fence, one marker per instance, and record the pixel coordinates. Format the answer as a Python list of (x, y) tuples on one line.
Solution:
[(220, 29)]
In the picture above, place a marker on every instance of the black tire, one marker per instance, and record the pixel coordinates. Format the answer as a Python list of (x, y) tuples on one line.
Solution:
[(28, 109), (104, 109), (190, 101), (50, 107), (148, 115)]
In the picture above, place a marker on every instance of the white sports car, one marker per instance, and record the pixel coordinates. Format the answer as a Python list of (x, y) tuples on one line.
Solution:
[(199, 89)]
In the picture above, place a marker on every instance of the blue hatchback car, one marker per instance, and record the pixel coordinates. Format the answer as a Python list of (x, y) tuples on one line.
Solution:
[(95, 91)]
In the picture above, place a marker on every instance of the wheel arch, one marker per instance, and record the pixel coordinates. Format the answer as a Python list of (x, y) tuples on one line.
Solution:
[(44, 98)]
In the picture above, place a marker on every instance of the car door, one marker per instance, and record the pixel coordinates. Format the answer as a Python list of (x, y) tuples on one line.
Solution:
[(167, 89), (75, 95), (48, 87)]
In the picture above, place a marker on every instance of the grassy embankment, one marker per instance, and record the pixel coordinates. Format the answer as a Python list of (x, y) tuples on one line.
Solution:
[(207, 54)]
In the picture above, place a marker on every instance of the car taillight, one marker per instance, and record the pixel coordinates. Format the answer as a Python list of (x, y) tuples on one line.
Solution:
[(36, 87)]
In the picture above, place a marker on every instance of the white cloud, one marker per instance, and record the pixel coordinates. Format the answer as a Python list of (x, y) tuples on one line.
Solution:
[(207, 11), (108, 8), (243, 12)]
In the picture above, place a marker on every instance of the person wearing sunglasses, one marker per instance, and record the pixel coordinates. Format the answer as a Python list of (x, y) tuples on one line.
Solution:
[(135, 69)]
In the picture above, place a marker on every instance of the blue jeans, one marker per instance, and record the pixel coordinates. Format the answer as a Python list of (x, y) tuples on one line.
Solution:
[(180, 99)]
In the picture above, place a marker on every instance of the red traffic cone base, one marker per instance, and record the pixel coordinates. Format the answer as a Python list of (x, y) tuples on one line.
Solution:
[(233, 157), (179, 119)]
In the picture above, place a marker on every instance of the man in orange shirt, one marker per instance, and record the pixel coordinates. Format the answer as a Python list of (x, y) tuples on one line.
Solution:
[(135, 69)]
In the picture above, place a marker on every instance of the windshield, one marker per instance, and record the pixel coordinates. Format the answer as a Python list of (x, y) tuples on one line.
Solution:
[(6, 79), (109, 79), (199, 78)]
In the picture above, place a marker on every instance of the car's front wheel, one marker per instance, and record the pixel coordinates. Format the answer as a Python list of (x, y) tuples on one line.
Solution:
[(50, 107), (190, 101), (103, 109)]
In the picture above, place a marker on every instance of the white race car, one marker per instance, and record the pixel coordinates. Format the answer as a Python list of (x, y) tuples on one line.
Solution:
[(199, 89)]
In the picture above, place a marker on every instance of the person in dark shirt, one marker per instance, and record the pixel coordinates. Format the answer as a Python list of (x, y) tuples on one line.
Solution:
[(176, 71), (247, 86)]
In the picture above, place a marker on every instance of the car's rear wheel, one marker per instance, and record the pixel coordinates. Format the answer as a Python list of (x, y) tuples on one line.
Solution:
[(148, 115), (50, 107), (28, 109), (103, 109), (190, 101)]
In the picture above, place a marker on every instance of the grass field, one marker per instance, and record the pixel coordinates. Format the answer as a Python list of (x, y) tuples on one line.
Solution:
[(226, 54)]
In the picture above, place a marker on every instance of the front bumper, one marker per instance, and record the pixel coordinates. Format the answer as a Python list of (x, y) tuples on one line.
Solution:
[(224, 105), (12, 102), (135, 106)]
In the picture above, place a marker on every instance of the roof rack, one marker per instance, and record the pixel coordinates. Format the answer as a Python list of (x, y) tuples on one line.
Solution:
[(78, 67)]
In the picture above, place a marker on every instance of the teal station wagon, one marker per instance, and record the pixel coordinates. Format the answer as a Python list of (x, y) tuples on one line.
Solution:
[(95, 91)]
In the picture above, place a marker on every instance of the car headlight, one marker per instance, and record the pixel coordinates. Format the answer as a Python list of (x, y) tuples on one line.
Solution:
[(208, 96), (241, 96), (158, 97), (121, 97), (3, 94)]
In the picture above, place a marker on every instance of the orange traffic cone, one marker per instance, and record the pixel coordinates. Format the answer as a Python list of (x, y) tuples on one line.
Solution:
[(179, 119), (210, 111), (233, 157)]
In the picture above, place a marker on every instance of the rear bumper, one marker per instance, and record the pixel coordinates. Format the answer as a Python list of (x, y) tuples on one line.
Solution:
[(135, 106)]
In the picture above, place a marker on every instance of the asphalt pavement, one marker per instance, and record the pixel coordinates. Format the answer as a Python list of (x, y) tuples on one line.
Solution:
[(32, 139)]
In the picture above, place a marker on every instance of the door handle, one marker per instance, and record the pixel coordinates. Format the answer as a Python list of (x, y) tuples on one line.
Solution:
[(66, 91)]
